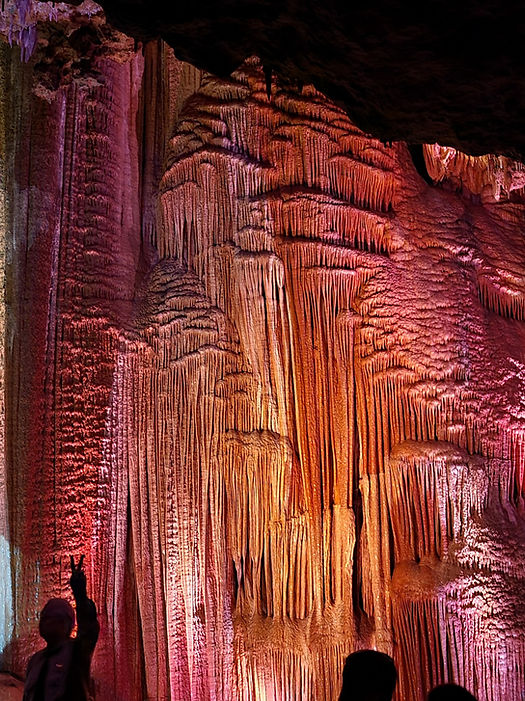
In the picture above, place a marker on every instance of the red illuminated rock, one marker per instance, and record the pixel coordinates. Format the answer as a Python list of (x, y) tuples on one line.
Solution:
[(267, 379)]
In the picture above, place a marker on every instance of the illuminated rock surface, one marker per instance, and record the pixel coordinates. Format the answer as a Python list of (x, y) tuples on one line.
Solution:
[(264, 376)]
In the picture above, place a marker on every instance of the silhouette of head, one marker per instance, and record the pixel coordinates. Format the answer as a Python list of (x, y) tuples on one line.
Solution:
[(368, 675), (450, 692), (56, 621)]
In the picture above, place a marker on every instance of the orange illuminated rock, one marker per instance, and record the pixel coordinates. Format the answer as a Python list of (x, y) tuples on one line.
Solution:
[(268, 380)]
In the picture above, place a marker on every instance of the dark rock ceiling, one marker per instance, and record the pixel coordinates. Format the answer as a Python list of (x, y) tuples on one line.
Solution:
[(451, 71)]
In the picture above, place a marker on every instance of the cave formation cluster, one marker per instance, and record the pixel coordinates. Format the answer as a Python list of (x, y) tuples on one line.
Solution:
[(269, 380)]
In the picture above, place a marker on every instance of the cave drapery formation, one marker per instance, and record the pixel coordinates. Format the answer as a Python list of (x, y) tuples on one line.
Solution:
[(267, 378)]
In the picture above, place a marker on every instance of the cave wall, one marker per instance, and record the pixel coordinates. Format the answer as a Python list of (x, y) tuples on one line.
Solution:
[(263, 375)]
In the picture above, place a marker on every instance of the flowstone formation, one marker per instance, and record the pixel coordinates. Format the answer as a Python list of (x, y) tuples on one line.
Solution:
[(267, 378)]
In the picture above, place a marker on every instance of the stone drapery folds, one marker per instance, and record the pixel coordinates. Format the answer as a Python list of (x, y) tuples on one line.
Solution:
[(266, 378)]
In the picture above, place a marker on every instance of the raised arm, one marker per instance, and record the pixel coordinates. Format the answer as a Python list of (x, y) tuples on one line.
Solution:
[(87, 622)]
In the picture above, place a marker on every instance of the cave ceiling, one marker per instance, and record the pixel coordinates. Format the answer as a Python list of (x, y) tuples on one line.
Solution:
[(446, 71)]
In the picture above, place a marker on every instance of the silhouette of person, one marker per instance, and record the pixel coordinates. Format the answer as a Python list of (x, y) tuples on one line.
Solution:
[(450, 692), (368, 675), (60, 672)]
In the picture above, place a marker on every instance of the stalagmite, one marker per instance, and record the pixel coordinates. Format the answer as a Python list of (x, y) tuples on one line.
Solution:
[(263, 375)]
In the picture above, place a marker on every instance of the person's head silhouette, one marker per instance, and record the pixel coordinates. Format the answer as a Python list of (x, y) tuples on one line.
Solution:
[(56, 621), (450, 692), (368, 675)]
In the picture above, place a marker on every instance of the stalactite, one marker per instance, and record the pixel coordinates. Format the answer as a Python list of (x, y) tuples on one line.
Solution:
[(497, 178), (430, 472)]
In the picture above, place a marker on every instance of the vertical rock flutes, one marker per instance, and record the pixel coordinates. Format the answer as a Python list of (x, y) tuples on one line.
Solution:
[(263, 375)]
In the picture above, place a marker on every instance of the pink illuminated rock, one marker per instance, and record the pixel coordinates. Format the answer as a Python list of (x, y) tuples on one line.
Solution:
[(267, 379)]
